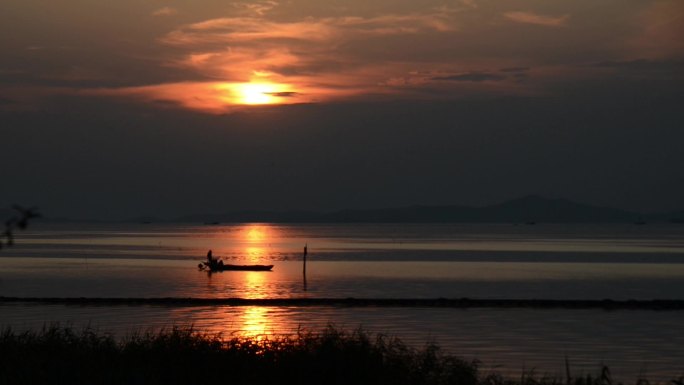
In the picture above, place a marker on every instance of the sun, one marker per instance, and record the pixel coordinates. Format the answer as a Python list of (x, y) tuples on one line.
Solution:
[(255, 93), (260, 93)]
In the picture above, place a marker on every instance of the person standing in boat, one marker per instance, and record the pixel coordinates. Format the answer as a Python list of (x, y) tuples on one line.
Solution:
[(213, 263), (210, 260)]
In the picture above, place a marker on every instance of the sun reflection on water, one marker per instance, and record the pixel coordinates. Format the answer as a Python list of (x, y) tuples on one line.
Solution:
[(255, 241), (256, 233), (255, 322), (255, 253), (254, 284)]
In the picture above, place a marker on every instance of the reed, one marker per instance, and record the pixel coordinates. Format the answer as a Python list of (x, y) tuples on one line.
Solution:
[(182, 355)]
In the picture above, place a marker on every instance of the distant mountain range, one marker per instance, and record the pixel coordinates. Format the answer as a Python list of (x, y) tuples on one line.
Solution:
[(530, 209)]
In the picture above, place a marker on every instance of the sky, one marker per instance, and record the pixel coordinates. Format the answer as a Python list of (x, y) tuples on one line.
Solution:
[(152, 107)]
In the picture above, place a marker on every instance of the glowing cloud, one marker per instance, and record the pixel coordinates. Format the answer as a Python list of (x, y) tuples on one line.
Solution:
[(533, 18), (215, 97), (245, 29), (257, 8), (166, 11), (282, 62)]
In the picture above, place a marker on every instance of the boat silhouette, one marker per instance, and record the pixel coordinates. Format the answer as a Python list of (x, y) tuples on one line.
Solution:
[(229, 267), (216, 264)]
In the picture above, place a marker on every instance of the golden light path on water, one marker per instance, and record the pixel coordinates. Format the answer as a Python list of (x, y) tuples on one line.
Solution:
[(256, 238), (253, 320), (257, 233)]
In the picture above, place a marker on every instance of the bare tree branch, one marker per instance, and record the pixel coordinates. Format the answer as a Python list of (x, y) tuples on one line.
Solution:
[(19, 221)]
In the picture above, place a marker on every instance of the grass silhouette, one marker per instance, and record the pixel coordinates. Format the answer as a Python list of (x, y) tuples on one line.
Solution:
[(61, 355)]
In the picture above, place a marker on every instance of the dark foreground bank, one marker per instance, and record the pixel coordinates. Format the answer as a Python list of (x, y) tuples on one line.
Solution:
[(57, 355)]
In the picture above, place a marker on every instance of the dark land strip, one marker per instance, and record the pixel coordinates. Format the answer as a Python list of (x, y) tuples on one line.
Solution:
[(465, 303)]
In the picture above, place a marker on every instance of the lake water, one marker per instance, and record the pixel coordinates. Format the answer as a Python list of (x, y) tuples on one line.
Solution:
[(375, 261)]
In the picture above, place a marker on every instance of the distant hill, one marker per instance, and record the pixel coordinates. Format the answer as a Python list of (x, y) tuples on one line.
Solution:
[(537, 209), (528, 209), (523, 210), (418, 214)]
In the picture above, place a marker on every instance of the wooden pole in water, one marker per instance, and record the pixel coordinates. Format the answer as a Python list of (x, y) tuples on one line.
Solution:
[(304, 265)]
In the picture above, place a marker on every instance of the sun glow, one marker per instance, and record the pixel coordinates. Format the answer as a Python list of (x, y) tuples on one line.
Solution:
[(261, 93), (256, 93)]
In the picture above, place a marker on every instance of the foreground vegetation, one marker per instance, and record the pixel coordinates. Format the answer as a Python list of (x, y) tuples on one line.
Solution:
[(57, 355)]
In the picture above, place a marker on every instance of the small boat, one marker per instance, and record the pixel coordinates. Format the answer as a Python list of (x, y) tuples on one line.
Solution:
[(243, 268), (226, 267), (216, 264)]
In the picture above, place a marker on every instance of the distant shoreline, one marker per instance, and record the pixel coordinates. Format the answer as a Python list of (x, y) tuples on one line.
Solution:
[(464, 303)]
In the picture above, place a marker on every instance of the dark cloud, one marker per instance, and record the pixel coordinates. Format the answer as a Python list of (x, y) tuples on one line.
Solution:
[(283, 94), (515, 69), (471, 77), (643, 65)]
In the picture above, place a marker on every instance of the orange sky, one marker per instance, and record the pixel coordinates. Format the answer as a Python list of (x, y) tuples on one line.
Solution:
[(218, 56)]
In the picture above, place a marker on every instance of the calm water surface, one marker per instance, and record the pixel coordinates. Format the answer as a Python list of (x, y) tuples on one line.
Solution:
[(375, 261)]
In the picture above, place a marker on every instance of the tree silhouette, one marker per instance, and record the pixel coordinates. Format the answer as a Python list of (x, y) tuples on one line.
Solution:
[(17, 222)]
